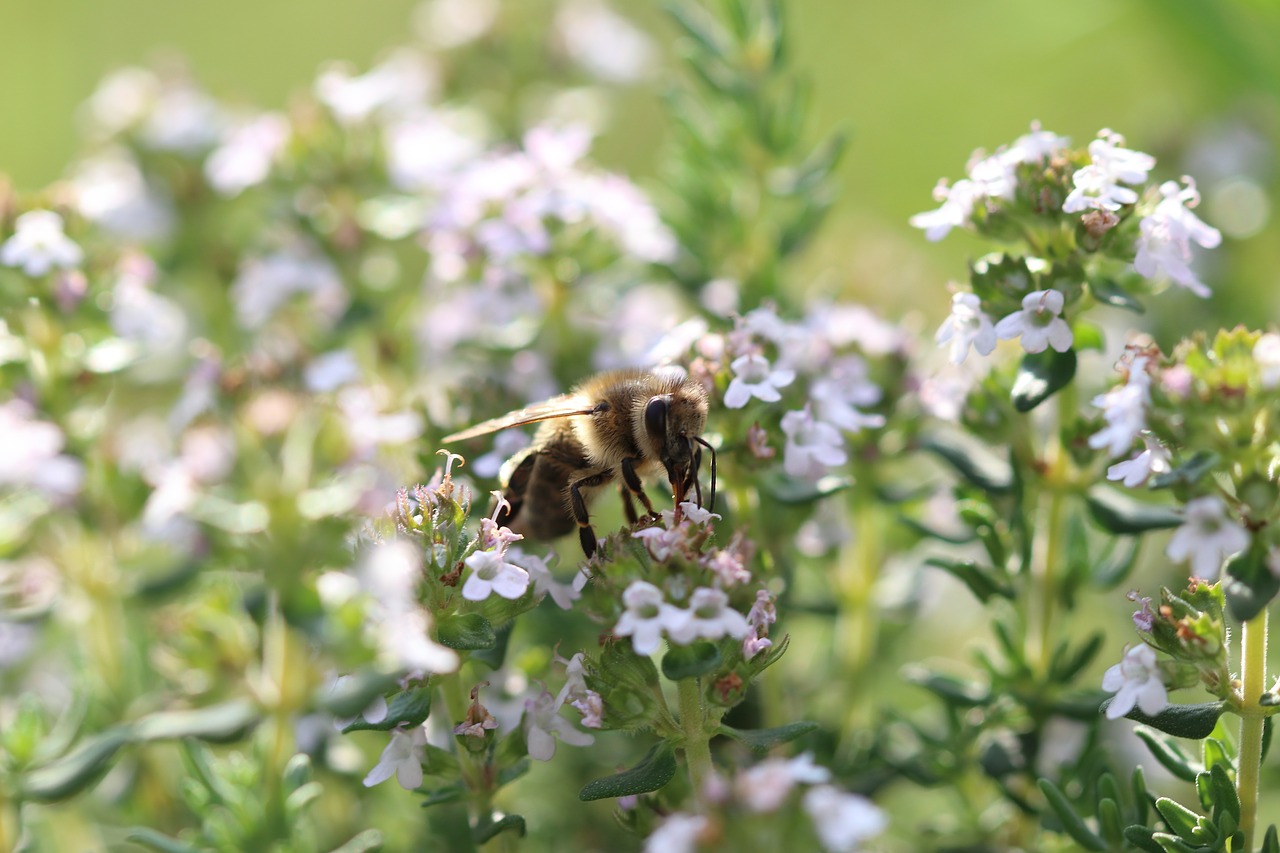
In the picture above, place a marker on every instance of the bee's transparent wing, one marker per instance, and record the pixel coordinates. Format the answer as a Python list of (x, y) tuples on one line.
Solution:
[(564, 406)]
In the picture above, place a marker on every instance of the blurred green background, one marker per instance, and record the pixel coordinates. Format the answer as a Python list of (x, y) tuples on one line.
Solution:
[(918, 83)]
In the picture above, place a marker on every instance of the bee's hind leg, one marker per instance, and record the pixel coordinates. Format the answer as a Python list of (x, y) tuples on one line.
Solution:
[(586, 536), (633, 486), (628, 504)]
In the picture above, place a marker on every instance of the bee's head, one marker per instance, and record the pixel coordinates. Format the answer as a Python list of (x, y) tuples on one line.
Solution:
[(673, 423)]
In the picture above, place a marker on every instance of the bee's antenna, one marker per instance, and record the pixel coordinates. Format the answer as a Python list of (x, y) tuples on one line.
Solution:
[(704, 443)]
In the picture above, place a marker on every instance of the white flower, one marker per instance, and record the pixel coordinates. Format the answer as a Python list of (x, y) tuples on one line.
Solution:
[(1125, 409), (368, 427), (1035, 146), (1135, 681), (1207, 537), (402, 758), (1136, 471), (709, 617), (662, 542), (764, 787), (404, 641), (246, 155), (110, 190), (691, 512), (29, 453), (331, 370), (603, 42), (543, 722), (752, 377), (453, 23), (266, 283), (401, 82), (1266, 352), (967, 326), (1039, 323), (679, 833), (813, 448), (544, 583), (38, 244), (842, 820), (841, 389), (490, 572), (647, 616), (957, 206), (1097, 186), (1164, 247)]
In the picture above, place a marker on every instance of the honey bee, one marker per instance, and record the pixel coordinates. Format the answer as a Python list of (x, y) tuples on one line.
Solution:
[(621, 424)]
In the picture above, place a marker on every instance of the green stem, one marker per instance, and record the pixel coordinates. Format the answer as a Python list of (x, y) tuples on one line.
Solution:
[(473, 775), (1049, 543), (1253, 674), (858, 624), (697, 743)]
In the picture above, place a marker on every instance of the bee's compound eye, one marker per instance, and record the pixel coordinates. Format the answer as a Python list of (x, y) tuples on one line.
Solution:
[(655, 418)]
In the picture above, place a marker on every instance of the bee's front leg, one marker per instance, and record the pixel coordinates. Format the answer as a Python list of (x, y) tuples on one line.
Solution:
[(586, 535), (632, 481)]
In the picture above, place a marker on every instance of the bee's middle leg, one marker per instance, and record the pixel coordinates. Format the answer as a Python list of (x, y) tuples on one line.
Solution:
[(633, 485), (628, 504), (586, 536)]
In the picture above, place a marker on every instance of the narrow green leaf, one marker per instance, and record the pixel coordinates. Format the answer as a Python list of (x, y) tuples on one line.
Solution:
[(979, 579), (1072, 823), (1170, 757), (1110, 570), (466, 632), (1188, 473), (653, 772), (691, 661), (1142, 799), (1194, 722), (407, 708), (354, 693), (762, 740), (1108, 292), (1110, 821), (77, 770), (447, 794), (788, 490), (1068, 665), (954, 691), (1141, 838), (365, 842), (1249, 585), (223, 723), (1042, 375), (972, 461), (1271, 841), (1224, 792), (1118, 513), (486, 832), (146, 837), (1180, 819)]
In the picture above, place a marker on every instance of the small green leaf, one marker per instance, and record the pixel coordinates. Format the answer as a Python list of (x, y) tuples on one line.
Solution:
[(1072, 823), (1042, 375), (1224, 793), (407, 708), (1141, 838), (223, 723), (1271, 842), (447, 794), (653, 772), (691, 661), (1067, 664), (151, 839), (1108, 292), (1180, 819), (1110, 821), (954, 691), (1118, 513), (1188, 473), (1249, 585), (1168, 755), (762, 740), (788, 490), (1194, 722), (486, 832), (1114, 565), (466, 632), (364, 842), (979, 579), (352, 694), (972, 461), (75, 771)]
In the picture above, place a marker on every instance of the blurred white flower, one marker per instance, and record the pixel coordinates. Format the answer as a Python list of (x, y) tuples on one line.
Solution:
[(1164, 247), (1125, 410), (248, 151), (813, 447), (266, 283), (842, 820), (1136, 471), (1136, 682), (183, 119), (39, 244), (709, 617), (140, 314), (1207, 537), (603, 42), (122, 99), (331, 370), (30, 454), (844, 387), (968, 326), (764, 787), (1039, 323), (1266, 352), (401, 82), (753, 377), (368, 427), (543, 724), (403, 758), (957, 206), (110, 190), (544, 582), (1098, 185), (452, 23), (427, 148), (678, 833)]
